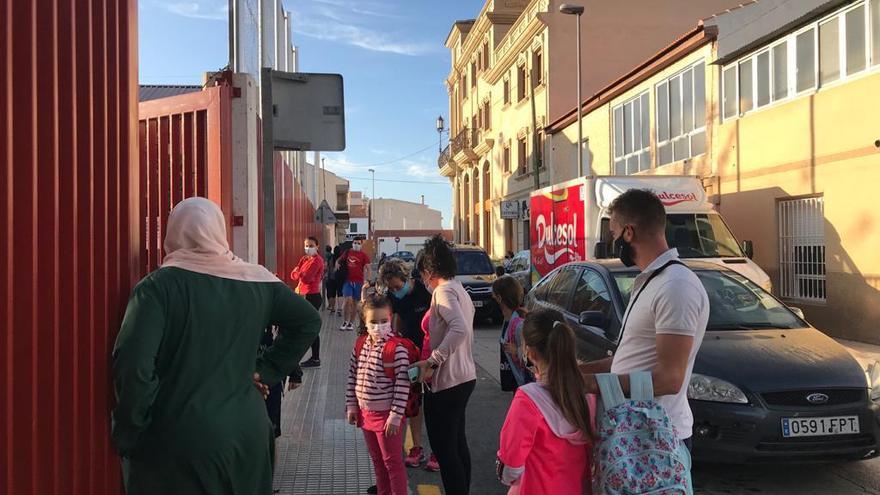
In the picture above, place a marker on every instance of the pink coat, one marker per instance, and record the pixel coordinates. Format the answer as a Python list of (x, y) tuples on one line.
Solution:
[(549, 457)]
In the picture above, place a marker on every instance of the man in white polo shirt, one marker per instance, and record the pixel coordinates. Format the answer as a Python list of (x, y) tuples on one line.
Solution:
[(668, 309)]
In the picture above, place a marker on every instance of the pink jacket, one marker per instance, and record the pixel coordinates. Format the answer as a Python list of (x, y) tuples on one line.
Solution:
[(541, 451)]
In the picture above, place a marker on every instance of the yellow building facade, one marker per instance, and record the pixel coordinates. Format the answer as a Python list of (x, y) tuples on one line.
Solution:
[(791, 150), (513, 70)]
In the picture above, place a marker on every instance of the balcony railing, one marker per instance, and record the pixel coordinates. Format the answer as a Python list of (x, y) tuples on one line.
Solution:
[(466, 139), (445, 156)]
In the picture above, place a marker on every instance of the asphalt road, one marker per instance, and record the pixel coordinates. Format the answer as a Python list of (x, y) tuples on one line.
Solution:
[(489, 405)]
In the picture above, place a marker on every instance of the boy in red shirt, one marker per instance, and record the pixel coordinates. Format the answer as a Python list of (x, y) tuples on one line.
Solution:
[(358, 264), (308, 274)]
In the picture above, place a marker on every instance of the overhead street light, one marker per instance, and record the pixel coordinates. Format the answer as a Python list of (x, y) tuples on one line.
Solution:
[(577, 11)]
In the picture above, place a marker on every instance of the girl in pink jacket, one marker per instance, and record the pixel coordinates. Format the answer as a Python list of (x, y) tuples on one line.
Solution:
[(545, 442)]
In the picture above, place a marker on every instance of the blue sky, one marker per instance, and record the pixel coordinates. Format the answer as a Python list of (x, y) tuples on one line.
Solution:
[(390, 53)]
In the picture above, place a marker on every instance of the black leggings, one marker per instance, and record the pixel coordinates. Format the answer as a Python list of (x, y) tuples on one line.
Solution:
[(445, 420), (296, 375)]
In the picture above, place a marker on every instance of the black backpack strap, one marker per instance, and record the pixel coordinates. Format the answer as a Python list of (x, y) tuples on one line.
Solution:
[(632, 303)]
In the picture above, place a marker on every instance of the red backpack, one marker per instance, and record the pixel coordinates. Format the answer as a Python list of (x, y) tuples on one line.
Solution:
[(414, 402)]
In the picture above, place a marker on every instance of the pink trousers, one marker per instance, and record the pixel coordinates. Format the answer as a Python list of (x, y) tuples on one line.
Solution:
[(386, 453)]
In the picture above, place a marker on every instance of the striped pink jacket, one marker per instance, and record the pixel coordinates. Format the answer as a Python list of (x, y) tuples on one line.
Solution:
[(370, 389)]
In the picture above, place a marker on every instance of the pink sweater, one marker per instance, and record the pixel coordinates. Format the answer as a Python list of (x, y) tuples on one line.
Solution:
[(370, 389)]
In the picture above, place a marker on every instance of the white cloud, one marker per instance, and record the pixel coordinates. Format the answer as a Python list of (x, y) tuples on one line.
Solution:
[(213, 10), (422, 170)]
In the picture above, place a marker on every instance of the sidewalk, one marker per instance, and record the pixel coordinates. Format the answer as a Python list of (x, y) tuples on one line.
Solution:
[(318, 452)]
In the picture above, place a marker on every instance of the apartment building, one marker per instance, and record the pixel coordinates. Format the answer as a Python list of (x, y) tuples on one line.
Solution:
[(775, 106), (513, 72)]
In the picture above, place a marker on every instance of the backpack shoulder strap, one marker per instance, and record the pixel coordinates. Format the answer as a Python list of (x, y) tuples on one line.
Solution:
[(609, 386), (388, 352), (632, 303), (641, 386)]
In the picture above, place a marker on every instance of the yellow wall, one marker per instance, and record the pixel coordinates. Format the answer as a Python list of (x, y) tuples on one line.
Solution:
[(823, 143)]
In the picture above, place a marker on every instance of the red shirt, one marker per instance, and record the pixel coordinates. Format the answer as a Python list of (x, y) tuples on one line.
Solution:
[(308, 273), (356, 261)]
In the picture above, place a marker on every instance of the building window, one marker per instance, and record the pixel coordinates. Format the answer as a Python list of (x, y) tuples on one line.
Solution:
[(487, 115), (464, 88), (802, 249), (829, 51), (537, 68), (631, 136), (836, 47), (520, 83), (353, 228), (506, 90), (486, 56), (522, 164), (681, 116), (473, 73), (805, 60), (505, 158), (875, 32)]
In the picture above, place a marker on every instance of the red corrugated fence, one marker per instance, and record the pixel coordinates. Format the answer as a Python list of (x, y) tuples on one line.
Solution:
[(69, 242)]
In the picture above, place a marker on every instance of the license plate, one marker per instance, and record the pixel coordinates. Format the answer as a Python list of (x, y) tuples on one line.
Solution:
[(817, 427), (478, 304)]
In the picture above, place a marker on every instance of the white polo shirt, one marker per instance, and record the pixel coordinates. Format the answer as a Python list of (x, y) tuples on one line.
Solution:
[(674, 303)]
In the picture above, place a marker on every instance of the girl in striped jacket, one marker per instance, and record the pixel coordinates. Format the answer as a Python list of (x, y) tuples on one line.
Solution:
[(376, 399)]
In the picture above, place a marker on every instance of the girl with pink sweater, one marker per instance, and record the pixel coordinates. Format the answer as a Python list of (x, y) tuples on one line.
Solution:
[(545, 442)]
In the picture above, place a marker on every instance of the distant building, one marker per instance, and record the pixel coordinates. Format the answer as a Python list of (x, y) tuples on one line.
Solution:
[(394, 214)]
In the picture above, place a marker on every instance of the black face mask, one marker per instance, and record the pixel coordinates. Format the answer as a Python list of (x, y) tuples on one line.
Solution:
[(624, 251)]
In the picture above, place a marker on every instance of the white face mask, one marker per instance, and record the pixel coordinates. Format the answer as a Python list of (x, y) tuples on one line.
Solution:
[(379, 330), (356, 247), (311, 251)]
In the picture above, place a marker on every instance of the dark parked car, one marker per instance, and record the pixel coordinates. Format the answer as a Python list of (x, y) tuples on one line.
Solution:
[(476, 273), (766, 386), (520, 268), (406, 256)]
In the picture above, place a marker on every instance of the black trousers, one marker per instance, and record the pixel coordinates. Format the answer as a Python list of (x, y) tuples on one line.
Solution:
[(445, 420), (317, 301)]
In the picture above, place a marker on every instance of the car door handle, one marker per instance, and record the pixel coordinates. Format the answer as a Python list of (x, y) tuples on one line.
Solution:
[(610, 353)]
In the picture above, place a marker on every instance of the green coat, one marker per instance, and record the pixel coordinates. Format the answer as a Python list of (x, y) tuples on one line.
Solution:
[(188, 418)]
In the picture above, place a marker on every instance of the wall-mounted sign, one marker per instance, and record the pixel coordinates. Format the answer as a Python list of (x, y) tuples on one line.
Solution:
[(510, 210)]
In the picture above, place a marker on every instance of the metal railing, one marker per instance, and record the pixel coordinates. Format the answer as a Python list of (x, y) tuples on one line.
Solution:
[(445, 156), (466, 139)]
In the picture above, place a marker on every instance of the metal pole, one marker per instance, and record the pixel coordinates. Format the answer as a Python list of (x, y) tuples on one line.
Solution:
[(580, 143), (536, 164)]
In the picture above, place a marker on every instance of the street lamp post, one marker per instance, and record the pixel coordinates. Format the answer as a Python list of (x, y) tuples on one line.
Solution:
[(370, 226), (440, 126), (577, 11)]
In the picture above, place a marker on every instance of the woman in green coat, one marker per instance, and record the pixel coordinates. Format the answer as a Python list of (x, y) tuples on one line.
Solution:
[(189, 418)]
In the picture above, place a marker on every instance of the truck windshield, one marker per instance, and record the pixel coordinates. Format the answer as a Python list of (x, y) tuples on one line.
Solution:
[(473, 263), (701, 235)]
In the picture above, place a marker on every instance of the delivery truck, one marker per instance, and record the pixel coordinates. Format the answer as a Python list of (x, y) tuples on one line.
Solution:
[(570, 222)]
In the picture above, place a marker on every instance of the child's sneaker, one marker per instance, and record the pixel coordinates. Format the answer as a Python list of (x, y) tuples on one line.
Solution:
[(344, 326), (432, 465), (415, 458)]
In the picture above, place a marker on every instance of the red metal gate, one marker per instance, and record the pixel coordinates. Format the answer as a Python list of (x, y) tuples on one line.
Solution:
[(68, 236), (185, 151)]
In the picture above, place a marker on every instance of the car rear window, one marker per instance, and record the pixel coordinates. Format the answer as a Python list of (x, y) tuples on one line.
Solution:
[(473, 263)]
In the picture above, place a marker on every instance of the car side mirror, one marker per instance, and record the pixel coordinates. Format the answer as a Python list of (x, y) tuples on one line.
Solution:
[(748, 248), (596, 319), (798, 311), (601, 250)]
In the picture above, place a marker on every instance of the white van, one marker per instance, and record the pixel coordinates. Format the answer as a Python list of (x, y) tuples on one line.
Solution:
[(569, 222)]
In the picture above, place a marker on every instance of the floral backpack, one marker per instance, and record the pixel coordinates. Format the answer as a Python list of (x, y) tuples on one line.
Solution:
[(637, 450)]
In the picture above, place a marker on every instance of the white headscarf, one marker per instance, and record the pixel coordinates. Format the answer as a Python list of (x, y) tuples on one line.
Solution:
[(196, 241)]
